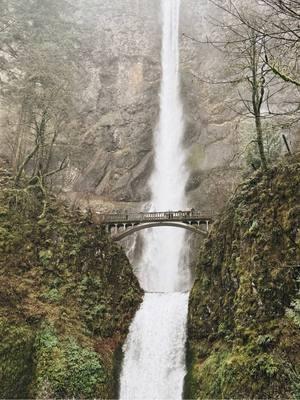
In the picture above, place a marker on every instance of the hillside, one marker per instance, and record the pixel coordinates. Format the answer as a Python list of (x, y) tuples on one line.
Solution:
[(244, 338), (67, 296)]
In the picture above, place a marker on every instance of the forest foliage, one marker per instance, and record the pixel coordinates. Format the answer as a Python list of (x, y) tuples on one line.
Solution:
[(243, 328), (67, 296)]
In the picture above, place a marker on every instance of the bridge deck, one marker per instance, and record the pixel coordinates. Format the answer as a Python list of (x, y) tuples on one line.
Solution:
[(143, 217)]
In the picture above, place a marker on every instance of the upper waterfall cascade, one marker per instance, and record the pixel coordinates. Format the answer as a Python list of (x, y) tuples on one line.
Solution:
[(154, 362)]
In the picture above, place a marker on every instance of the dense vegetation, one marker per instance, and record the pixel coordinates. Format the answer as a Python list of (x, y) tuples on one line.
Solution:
[(67, 296), (244, 337)]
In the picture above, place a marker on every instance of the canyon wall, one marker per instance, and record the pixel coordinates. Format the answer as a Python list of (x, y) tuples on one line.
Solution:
[(243, 326), (109, 141), (113, 157)]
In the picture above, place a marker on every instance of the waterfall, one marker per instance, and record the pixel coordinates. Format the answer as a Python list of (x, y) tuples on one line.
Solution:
[(154, 362)]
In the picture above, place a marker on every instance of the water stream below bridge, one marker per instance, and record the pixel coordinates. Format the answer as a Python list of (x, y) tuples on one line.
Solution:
[(154, 361)]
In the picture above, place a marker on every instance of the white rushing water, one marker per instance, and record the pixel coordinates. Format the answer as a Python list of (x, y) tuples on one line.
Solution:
[(154, 362)]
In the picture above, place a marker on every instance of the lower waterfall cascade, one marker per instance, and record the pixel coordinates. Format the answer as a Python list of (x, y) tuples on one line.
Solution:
[(154, 360)]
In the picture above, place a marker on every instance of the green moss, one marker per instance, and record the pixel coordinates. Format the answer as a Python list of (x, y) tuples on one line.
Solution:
[(16, 344), (52, 295), (246, 279), (63, 368), (238, 373), (70, 289)]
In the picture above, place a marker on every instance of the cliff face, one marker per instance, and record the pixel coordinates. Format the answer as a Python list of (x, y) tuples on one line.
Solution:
[(112, 155), (67, 297), (113, 107), (243, 342)]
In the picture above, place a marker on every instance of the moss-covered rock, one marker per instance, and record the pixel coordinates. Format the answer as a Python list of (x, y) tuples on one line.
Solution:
[(16, 363), (67, 297), (66, 369), (242, 342)]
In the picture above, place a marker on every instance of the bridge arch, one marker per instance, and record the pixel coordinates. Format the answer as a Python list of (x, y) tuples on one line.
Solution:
[(136, 228)]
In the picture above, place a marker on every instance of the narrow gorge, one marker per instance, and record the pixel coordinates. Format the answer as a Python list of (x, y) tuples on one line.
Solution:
[(149, 199)]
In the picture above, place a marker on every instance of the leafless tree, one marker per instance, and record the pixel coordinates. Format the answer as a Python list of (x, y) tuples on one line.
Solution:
[(250, 49), (278, 22), (38, 90)]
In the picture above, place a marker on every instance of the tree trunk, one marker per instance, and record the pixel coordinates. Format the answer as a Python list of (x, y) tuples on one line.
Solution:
[(260, 143), (258, 93)]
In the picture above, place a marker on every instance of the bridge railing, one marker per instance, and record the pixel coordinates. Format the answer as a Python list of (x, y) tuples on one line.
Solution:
[(154, 216)]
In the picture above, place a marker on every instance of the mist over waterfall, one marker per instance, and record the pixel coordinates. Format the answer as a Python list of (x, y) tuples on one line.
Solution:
[(154, 362)]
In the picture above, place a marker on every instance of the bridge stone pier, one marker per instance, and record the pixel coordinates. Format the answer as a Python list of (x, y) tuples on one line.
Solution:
[(121, 225)]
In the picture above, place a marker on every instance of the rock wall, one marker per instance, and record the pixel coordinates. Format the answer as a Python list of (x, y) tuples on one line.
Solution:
[(109, 142), (113, 157), (120, 105)]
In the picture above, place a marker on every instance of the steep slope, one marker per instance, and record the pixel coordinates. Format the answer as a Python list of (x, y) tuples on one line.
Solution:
[(244, 341), (67, 296)]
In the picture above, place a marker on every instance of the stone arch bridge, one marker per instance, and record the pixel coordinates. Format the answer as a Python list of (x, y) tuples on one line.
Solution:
[(121, 225)]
